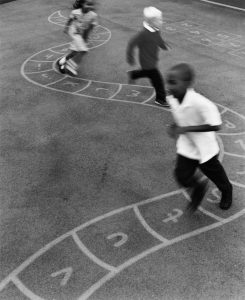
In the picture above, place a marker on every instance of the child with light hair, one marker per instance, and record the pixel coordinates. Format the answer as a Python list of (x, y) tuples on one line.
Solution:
[(79, 26), (149, 41)]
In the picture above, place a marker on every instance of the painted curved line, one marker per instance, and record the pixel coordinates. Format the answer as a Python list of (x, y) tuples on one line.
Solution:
[(32, 258), (203, 210), (234, 154), (23, 73), (148, 228), (90, 255), (13, 275), (48, 246), (133, 260), (25, 290)]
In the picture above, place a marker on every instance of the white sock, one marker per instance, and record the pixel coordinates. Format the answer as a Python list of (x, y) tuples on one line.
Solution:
[(62, 61)]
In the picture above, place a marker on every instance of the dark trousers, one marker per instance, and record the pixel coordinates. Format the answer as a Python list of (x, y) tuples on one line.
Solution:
[(185, 174), (156, 80)]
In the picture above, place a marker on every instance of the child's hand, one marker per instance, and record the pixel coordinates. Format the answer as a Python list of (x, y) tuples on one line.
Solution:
[(66, 30)]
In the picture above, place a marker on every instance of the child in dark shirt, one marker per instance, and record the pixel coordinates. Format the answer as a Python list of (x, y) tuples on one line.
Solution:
[(148, 41)]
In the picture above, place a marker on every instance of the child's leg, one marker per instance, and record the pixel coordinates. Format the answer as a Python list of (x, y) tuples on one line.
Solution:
[(74, 58), (185, 171), (78, 57), (185, 175), (158, 84), (216, 173), (136, 74)]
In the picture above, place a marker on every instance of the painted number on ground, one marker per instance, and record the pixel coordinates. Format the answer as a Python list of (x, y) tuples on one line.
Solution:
[(118, 235), (66, 273), (229, 124), (173, 216), (134, 94)]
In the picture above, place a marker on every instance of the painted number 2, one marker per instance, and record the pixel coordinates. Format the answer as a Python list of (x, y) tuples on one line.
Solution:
[(229, 125)]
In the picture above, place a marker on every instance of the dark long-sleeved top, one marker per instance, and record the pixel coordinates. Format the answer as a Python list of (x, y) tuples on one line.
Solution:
[(148, 43)]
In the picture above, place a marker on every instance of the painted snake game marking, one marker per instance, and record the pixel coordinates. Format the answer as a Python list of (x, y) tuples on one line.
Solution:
[(86, 266)]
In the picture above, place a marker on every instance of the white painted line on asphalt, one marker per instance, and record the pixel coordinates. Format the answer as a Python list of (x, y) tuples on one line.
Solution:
[(41, 251), (61, 79), (134, 259), (87, 85), (90, 255), (204, 211), (224, 5), (234, 154), (117, 91), (28, 293), (149, 99), (225, 109), (148, 228), (41, 60), (42, 71), (238, 184)]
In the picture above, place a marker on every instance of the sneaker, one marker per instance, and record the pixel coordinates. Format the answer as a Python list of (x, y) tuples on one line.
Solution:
[(70, 71), (198, 195), (71, 67), (225, 202), (162, 103), (130, 80), (60, 67)]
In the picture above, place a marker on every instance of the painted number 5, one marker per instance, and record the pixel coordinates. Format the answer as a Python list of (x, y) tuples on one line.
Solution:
[(134, 93)]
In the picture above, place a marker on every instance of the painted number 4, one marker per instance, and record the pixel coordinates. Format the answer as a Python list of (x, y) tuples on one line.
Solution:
[(173, 216)]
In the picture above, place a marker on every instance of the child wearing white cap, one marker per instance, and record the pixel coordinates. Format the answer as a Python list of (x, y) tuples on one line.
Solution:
[(149, 41)]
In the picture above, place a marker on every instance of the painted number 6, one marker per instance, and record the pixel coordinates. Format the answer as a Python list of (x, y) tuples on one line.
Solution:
[(215, 194)]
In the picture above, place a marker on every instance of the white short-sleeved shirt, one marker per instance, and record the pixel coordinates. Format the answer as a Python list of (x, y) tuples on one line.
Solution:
[(195, 110)]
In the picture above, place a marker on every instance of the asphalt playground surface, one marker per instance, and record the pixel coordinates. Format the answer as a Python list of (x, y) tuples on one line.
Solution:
[(89, 208)]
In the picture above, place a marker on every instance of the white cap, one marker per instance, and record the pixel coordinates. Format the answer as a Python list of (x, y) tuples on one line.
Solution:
[(152, 12)]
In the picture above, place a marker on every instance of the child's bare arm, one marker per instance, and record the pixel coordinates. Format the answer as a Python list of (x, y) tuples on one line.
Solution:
[(197, 128), (68, 23), (87, 31)]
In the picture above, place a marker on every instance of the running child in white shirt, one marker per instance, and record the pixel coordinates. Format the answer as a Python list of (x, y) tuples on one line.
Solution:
[(196, 119), (79, 26)]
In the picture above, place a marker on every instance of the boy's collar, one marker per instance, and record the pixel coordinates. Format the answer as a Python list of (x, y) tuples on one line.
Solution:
[(148, 27), (184, 101)]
